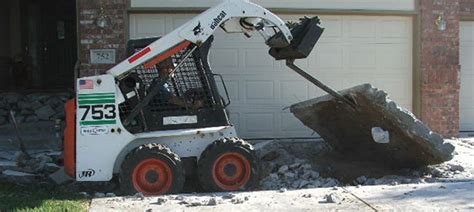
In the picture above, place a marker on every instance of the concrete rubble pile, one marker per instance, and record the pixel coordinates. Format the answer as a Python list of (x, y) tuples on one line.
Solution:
[(32, 107), (40, 121), (36, 166), (296, 176), (282, 167), (377, 130)]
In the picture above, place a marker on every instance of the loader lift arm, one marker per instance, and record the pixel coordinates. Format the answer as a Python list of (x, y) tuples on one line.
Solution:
[(232, 16)]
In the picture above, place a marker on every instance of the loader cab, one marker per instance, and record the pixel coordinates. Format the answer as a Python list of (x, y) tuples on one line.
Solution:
[(187, 95)]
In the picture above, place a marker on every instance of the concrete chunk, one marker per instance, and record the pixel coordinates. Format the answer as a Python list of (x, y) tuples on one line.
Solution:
[(401, 139), (60, 176), (45, 112)]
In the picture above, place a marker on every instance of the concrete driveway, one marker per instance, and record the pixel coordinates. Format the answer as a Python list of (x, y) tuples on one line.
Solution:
[(424, 197)]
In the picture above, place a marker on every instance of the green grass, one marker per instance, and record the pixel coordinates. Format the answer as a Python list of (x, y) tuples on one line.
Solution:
[(40, 197)]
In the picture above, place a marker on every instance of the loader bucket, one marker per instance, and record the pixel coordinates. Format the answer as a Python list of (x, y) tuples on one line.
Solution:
[(305, 35)]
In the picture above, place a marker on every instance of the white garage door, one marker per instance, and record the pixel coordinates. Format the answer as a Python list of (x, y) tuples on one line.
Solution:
[(466, 104), (353, 50)]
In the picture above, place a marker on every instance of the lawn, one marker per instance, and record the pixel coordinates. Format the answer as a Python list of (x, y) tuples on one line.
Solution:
[(40, 197)]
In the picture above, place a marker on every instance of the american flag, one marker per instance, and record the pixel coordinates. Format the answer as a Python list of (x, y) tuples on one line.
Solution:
[(86, 84)]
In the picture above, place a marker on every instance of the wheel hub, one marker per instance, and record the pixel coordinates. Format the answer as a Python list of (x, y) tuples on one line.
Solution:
[(231, 171), (152, 177)]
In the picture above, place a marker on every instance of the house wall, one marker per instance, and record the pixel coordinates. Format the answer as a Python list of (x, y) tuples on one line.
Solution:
[(439, 63), (439, 68), (466, 9), (92, 37), (298, 4)]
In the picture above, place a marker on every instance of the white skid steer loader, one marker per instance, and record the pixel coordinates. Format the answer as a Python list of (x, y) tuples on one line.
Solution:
[(160, 111)]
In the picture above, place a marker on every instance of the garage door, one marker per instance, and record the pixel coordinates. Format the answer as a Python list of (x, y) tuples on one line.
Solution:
[(352, 50), (466, 104)]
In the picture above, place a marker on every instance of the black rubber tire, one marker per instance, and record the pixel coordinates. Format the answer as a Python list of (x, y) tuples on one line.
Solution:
[(217, 149), (151, 151)]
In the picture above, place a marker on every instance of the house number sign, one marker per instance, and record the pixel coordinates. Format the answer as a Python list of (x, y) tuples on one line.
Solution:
[(102, 56)]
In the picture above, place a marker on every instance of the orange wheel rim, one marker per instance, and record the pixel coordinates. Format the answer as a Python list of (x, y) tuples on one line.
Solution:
[(231, 171), (152, 177)]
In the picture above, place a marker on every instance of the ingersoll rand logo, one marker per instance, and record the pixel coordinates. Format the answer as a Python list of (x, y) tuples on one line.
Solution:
[(87, 173)]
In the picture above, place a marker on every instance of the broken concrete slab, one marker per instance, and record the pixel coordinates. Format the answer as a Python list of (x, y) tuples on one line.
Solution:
[(45, 112), (7, 163), (16, 173), (407, 143)]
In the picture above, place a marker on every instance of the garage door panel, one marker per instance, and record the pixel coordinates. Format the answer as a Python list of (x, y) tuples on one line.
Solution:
[(327, 56), (390, 56), (293, 91), (362, 56), (466, 56), (259, 92), (177, 22), (224, 58), (466, 120), (352, 50), (233, 89), (315, 92), (333, 27), (235, 39), (360, 27), (393, 29), (258, 58), (466, 102), (260, 122), (466, 32), (351, 80), (397, 89), (467, 98), (139, 26)]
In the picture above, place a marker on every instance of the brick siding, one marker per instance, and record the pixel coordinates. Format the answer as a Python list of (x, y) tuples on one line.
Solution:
[(440, 67), (92, 37)]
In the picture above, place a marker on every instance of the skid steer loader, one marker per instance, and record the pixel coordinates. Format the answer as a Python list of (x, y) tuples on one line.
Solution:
[(159, 112)]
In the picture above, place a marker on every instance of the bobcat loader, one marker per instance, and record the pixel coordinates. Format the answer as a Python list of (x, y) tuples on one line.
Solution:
[(158, 115)]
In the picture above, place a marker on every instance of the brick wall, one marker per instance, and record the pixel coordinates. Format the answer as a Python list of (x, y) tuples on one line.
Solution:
[(92, 37), (440, 67)]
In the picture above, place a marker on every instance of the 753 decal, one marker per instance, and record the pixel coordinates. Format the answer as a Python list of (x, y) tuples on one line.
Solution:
[(97, 109), (98, 112)]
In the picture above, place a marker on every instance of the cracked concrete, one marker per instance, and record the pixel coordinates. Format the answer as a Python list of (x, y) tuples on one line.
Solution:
[(403, 140)]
